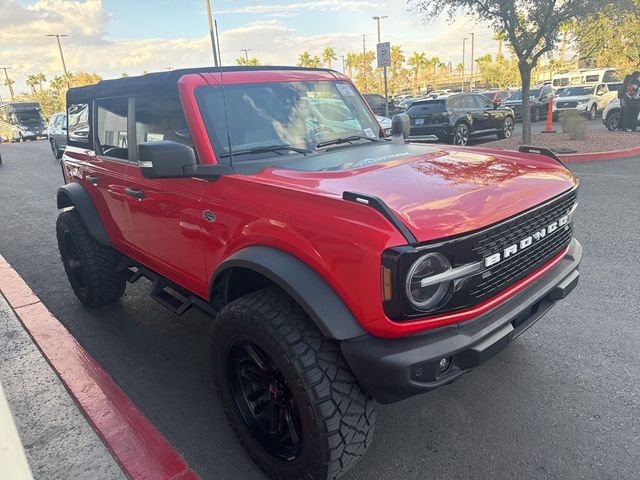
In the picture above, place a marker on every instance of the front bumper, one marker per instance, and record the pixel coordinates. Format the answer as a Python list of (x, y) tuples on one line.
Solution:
[(395, 369)]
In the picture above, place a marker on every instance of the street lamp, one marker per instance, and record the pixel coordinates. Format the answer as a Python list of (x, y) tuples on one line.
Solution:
[(464, 46), (343, 67), (473, 41), (8, 81), (64, 65), (246, 53), (386, 91), (212, 34)]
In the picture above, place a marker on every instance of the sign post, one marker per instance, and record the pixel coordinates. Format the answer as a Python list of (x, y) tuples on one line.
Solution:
[(384, 61)]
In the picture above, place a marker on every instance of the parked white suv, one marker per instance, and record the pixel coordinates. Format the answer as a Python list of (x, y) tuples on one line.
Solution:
[(589, 99), (611, 114)]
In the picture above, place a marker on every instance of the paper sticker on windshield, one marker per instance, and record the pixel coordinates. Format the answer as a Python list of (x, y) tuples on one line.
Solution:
[(346, 89), (369, 133)]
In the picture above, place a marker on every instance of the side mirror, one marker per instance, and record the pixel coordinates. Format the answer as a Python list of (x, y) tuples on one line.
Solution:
[(165, 159), (400, 127)]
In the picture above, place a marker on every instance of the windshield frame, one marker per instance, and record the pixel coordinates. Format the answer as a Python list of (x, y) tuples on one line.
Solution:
[(208, 95)]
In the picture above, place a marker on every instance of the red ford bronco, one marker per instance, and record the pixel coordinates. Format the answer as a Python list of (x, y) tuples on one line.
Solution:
[(338, 266)]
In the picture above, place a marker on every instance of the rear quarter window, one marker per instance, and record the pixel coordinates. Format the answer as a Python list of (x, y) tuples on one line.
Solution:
[(78, 125)]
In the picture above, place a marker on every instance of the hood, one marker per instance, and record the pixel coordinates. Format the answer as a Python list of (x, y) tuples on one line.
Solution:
[(436, 191)]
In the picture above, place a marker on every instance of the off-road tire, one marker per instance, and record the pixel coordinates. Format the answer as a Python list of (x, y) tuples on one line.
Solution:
[(97, 282), (338, 416)]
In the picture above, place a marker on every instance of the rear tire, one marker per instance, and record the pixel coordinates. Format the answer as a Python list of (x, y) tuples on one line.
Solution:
[(287, 390), (535, 115), (91, 267), (613, 121), (461, 134)]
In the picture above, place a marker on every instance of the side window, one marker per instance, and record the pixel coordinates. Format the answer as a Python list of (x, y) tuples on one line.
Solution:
[(111, 127), (483, 102), (469, 101), (601, 90), (78, 115), (455, 103), (160, 117)]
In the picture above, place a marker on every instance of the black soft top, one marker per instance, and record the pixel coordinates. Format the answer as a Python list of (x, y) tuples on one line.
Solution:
[(159, 82)]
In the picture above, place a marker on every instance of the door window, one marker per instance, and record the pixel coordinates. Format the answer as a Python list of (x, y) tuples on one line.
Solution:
[(469, 102), (111, 126), (78, 118), (483, 102), (160, 117)]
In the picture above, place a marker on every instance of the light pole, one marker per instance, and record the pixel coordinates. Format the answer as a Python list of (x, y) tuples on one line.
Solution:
[(212, 34), (246, 53), (464, 46), (473, 40), (343, 68), (386, 91), (64, 65), (6, 76)]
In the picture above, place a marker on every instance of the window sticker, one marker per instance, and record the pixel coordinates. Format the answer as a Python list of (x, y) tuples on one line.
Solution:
[(369, 133), (345, 89)]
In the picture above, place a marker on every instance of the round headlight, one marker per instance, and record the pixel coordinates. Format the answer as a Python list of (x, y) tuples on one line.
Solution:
[(430, 296)]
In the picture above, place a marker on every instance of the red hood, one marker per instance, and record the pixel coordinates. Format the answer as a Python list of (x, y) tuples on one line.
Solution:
[(440, 192)]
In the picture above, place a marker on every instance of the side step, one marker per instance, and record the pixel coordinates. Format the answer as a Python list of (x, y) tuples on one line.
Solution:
[(166, 293)]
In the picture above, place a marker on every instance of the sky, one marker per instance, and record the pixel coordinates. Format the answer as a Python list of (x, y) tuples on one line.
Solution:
[(111, 37)]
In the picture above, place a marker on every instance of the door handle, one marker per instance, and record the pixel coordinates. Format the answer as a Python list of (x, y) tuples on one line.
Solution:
[(132, 192), (92, 179)]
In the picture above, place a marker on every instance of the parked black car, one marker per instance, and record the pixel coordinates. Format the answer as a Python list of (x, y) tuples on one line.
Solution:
[(376, 102), (539, 102), (458, 117)]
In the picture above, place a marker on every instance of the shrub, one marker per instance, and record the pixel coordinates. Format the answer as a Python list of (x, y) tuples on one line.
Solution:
[(573, 123)]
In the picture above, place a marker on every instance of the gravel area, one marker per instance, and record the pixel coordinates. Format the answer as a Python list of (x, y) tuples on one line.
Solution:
[(593, 142)]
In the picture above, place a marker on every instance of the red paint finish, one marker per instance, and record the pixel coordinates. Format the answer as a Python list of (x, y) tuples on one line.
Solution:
[(436, 191), (141, 451)]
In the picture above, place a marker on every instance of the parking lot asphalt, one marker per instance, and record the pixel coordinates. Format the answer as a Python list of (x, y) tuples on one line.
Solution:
[(561, 402)]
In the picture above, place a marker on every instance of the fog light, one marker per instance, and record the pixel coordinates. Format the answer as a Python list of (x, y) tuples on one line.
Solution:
[(443, 365)]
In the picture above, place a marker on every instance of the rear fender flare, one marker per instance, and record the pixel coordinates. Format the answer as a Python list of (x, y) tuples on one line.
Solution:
[(314, 295), (74, 195)]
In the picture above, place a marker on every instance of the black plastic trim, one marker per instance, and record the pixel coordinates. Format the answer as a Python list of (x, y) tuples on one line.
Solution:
[(378, 204), (74, 195), (314, 295), (541, 151), (394, 369)]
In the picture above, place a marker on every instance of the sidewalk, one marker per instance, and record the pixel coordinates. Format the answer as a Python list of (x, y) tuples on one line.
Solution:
[(58, 441)]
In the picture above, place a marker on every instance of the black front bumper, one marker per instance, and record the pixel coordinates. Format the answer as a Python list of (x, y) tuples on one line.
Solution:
[(395, 369)]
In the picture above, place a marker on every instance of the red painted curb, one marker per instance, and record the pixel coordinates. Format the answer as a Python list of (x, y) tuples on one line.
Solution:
[(139, 448), (591, 157)]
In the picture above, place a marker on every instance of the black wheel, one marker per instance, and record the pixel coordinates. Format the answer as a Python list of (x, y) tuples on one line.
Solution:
[(55, 150), (593, 111), (287, 391), (535, 115), (20, 138), (507, 128), (613, 121), (461, 134), (91, 267)]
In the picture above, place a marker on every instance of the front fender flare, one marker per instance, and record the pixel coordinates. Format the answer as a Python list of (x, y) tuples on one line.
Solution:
[(314, 295), (74, 195)]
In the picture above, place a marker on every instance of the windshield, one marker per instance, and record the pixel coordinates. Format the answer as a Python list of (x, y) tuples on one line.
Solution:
[(533, 93), (29, 116), (575, 92), (302, 115)]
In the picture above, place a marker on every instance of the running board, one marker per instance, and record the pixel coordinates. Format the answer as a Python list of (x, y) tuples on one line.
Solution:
[(166, 293)]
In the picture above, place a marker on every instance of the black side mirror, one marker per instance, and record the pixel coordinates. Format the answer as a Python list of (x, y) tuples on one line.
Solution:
[(400, 126), (165, 159)]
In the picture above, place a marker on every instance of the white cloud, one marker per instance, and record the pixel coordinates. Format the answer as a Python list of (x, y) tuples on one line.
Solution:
[(284, 8)]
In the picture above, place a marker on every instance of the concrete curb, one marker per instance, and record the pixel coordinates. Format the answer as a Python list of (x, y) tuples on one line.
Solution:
[(592, 157), (12, 456), (138, 447)]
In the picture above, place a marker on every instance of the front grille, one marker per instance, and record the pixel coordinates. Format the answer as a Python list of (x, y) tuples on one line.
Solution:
[(567, 104), (517, 267)]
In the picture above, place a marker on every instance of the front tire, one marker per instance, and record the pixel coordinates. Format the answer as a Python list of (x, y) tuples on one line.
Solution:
[(507, 129), (613, 121), (535, 115), (287, 390), (55, 150), (593, 111), (90, 266)]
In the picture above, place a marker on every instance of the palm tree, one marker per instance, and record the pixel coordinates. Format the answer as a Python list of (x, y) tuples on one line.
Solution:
[(315, 62), (40, 77), (329, 54), (459, 69), (351, 61), (416, 61), (31, 82), (304, 59), (501, 36)]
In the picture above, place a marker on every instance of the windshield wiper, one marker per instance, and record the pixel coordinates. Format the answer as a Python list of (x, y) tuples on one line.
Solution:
[(265, 149), (338, 141)]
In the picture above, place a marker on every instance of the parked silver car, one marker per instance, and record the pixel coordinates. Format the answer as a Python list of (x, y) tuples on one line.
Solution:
[(57, 134)]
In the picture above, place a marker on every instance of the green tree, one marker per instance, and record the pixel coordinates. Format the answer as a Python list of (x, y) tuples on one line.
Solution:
[(251, 61), (328, 55), (31, 83), (40, 78), (532, 29), (398, 75), (417, 62), (305, 59), (351, 62)]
